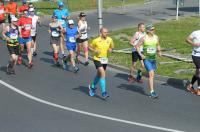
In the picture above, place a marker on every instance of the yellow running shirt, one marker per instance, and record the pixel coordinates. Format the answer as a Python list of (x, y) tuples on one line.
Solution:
[(102, 45)]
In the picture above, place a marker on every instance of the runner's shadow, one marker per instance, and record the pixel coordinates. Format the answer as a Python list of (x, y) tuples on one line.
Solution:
[(84, 90), (48, 53), (122, 76), (3, 69), (50, 61), (133, 88)]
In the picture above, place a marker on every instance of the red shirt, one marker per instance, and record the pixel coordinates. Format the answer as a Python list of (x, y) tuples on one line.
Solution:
[(26, 25), (22, 8), (11, 7), (2, 12)]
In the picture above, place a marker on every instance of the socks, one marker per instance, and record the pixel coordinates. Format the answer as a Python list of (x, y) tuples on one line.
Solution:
[(94, 83), (103, 85)]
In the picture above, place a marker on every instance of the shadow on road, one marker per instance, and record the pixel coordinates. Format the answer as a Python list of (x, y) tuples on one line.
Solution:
[(48, 53), (3, 69), (186, 9), (122, 76)]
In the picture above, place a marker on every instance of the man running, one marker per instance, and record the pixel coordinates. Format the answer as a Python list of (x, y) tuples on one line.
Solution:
[(135, 56), (25, 25), (23, 7), (71, 35), (11, 10), (2, 14), (11, 34), (101, 46), (83, 40), (55, 29), (35, 22), (151, 47), (194, 40), (62, 15)]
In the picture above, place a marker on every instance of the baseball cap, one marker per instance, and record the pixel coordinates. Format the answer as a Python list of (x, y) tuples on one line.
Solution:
[(60, 3), (82, 14), (150, 27), (70, 22), (31, 9)]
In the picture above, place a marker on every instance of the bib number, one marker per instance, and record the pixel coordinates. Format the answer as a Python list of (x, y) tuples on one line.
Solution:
[(103, 60), (72, 39), (84, 36), (13, 36), (27, 27), (55, 34), (151, 50), (1, 11)]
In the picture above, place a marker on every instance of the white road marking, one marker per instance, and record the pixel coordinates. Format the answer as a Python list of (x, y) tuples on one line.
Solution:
[(84, 112)]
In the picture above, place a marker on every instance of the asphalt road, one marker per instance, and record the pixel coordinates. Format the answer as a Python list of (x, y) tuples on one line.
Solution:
[(48, 99)]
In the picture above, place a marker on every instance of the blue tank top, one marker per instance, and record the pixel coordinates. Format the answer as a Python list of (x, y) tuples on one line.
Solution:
[(71, 34)]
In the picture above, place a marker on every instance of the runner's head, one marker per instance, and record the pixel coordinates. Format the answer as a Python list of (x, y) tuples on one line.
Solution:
[(31, 11), (54, 18), (24, 2), (71, 23), (1, 2), (30, 5), (14, 21), (150, 29), (82, 16), (60, 5), (141, 27), (104, 32), (25, 13)]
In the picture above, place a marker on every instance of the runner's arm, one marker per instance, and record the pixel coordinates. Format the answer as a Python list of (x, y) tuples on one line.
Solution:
[(189, 40), (159, 48), (132, 41), (141, 42), (4, 34)]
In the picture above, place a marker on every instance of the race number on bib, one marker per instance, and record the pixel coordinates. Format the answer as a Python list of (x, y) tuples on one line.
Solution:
[(1, 11), (151, 50), (72, 39), (103, 60), (55, 34), (13, 36), (84, 36), (28, 27)]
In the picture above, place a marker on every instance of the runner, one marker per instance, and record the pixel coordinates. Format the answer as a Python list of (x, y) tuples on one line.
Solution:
[(2, 15), (101, 46), (194, 40), (151, 46), (11, 9), (71, 35), (83, 40), (135, 56), (62, 15), (55, 29), (35, 22), (25, 25), (23, 7), (11, 34)]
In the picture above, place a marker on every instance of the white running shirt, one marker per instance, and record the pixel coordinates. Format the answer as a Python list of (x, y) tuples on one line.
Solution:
[(138, 37), (196, 39), (34, 24), (83, 29)]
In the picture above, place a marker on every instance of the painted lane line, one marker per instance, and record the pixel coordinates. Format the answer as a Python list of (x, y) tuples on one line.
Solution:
[(84, 112)]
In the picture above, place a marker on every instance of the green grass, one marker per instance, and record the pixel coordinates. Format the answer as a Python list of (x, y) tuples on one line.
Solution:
[(79, 5), (172, 34)]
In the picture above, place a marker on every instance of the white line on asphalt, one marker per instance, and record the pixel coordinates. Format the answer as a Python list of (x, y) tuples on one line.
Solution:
[(84, 112)]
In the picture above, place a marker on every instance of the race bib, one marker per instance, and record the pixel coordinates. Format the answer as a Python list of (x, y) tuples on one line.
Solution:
[(55, 34), (27, 27), (103, 60), (1, 11), (84, 36), (151, 50), (13, 36), (72, 39)]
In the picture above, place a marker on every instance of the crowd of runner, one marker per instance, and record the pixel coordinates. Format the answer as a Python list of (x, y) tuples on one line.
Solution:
[(21, 33)]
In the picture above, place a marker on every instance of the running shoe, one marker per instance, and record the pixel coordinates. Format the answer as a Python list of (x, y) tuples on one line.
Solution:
[(198, 92), (86, 63), (77, 60), (91, 91), (191, 89), (30, 65), (153, 95), (76, 69), (34, 54), (19, 61), (105, 95), (57, 63), (131, 79)]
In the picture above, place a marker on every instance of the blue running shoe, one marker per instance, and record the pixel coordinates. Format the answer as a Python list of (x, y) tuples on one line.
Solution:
[(105, 95), (91, 91), (153, 95)]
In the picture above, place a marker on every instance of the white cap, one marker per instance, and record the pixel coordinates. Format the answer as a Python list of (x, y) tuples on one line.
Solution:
[(70, 22), (31, 9), (14, 19)]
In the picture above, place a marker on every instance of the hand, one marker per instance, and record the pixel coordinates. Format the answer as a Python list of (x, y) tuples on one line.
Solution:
[(159, 54), (196, 44), (97, 51), (8, 39), (110, 50)]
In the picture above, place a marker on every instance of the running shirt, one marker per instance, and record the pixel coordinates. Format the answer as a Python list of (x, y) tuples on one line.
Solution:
[(23, 8), (83, 29), (13, 34), (2, 12), (138, 37), (60, 14), (103, 46), (11, 8), (34, 24), (196, 39), (150, 47), (26, 24), (55, 30), (71, 34)]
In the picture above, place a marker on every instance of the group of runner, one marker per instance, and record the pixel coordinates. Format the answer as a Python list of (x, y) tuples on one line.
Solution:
[(64, 34)]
